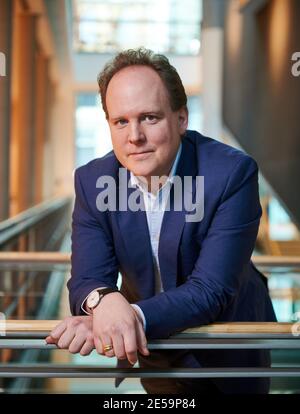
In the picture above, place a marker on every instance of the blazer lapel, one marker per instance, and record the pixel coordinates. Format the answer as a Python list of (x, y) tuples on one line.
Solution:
[(134, 231), (174, 221)]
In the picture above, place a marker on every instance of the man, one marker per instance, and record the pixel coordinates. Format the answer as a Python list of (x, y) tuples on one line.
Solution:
[(177, 272)]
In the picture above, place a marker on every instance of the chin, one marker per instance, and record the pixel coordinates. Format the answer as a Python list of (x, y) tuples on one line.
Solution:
[(142, 172), (142, 169)]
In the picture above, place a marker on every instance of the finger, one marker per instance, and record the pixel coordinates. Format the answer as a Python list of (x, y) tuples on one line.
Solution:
[(76, 344), (131, 346), (66, 339), (118, 346), (50, 340), (87, 348), (107, 341), (98, 345), (58, 330), (141, 339)]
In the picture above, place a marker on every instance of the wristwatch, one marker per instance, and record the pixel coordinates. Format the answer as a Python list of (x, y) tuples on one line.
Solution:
[(95, 297)]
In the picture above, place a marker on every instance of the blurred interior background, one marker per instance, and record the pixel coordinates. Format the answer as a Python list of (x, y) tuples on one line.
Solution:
[(235, 60)]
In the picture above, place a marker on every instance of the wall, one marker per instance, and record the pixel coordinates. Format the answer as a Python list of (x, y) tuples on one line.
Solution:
[(261, 97)]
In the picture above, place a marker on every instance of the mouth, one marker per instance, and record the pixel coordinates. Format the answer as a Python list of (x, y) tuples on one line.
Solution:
[(140, 155)]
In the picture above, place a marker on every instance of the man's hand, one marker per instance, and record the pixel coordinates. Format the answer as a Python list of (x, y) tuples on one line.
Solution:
[(116, 323), (74, 333)]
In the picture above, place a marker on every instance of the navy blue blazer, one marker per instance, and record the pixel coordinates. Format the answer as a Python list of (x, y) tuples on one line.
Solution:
[(206, 269)]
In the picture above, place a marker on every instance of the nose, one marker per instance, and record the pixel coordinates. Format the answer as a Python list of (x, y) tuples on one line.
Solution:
[(136, 134)]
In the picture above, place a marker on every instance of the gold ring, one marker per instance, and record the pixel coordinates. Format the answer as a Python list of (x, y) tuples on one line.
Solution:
[(107, 348)]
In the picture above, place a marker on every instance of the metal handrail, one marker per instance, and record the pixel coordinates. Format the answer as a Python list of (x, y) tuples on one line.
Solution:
[(265, 328), (22, 222), (64, 258), (22, 333), (31, 354), (34, 211), (233, 335), (94, 371), (187, 343)]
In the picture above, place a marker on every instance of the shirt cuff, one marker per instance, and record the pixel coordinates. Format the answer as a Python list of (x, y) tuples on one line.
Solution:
[(84, 306), (141, 313)]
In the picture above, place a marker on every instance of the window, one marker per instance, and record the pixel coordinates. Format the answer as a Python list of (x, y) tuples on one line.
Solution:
[(92, 131), (168, 26)]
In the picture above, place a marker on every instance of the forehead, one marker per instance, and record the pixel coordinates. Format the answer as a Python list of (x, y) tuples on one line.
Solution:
[(135, 88)]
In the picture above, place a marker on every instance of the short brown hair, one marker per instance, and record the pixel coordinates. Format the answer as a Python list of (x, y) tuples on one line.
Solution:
[(146, 57)]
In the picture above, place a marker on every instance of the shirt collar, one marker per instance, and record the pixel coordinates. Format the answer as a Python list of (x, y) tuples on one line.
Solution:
[(135, 181)]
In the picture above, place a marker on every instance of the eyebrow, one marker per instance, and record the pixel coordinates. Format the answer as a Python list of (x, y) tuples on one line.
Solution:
[(158, 113)]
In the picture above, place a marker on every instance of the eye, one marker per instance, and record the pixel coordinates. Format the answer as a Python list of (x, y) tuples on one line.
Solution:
[(150, 118), (120, 122)]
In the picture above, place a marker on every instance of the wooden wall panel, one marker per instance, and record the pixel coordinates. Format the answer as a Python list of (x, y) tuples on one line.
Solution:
[(6, 15)]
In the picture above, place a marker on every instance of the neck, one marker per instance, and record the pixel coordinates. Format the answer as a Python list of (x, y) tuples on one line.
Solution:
[(153, 183)]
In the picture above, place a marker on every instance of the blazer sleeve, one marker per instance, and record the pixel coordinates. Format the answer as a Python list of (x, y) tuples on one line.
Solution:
[(93, 259), (218, 271)]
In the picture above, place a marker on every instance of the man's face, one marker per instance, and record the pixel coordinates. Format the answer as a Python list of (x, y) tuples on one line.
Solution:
[(145, 131)]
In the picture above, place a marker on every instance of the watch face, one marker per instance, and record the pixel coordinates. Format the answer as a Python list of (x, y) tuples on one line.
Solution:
[(93, 299)]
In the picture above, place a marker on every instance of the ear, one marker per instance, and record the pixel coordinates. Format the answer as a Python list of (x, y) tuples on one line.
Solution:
[(183, 119)]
